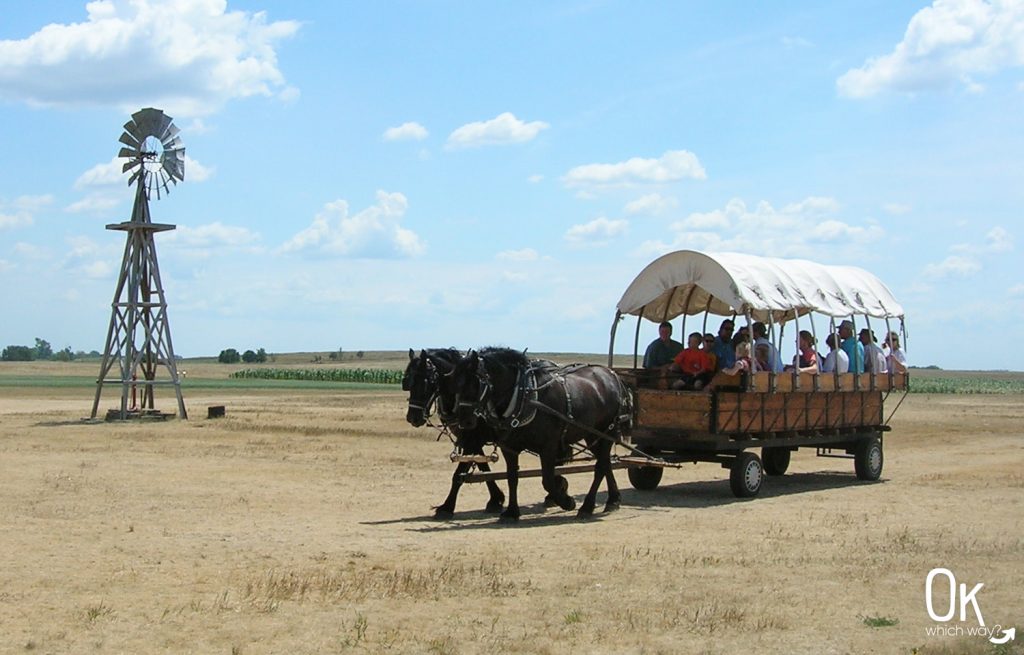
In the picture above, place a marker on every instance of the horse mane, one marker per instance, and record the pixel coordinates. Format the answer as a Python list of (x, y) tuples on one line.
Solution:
[(505, 357), (447, 356)]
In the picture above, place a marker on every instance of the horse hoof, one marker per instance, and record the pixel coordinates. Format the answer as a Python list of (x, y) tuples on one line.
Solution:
[(443, 514), (494, 507), (611, 507), (567, 503), (508, 518), (550, 502), (585, 513)]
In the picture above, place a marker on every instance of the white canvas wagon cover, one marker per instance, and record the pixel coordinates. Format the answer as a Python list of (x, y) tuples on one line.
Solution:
[(692, 282)]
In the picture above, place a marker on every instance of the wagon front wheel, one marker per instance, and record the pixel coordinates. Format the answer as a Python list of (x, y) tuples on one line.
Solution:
[(868, 459), (776, 460), (645, 478), (746, 475)]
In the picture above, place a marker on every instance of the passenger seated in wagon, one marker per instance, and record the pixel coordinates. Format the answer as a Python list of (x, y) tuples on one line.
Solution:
[(693, 365), (733, 376)]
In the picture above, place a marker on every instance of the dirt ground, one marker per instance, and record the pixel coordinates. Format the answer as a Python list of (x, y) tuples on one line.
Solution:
[(301, 523)]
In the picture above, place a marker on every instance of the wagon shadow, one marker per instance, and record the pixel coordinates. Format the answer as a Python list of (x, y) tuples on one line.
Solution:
[(716, 493)]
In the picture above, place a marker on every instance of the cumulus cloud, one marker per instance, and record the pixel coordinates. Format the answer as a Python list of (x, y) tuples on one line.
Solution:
[(501, 130), (953, 266), (189, 57), (213, 235), (651, 204), (406, 132), (373, 233), (998, 240), (523, 255), (896, 208), (944, 44), (21, 211), (109, 174), (672, 166), (95, 203), (800, 229), (1016, 291), (598, 232)]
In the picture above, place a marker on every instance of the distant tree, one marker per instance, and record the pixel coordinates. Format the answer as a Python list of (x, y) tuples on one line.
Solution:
[(64, 355), (43, 349), (249, 357), (229, 356), (359, 355), (332, 356), (261, 355), (18, 354)]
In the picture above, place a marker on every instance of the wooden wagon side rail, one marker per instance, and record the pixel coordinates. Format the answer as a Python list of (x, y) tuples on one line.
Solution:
[(783, 412)]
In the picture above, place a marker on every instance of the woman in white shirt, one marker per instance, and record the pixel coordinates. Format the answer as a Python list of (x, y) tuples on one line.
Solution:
[(896, 359)]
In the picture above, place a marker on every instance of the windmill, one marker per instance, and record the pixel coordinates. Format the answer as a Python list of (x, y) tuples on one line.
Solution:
[(139, 337)]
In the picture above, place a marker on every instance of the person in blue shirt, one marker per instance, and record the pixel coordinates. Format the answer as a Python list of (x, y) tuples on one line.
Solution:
[(662, 350), (725, 355), (853, 348)]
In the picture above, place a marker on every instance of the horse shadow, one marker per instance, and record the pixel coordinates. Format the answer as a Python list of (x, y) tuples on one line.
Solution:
[(701, 494)]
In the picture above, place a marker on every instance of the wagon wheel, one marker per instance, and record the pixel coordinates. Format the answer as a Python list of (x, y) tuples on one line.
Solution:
[(868, 459), (746, 475), (645, 478), (776, 460)]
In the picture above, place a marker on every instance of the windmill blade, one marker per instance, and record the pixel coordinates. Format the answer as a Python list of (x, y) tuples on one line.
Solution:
[(128, 153), (173, 162), (132, 130), (149, 122), (174, 144), (130, 165), (129, 140), (169, 134), (135, 175)]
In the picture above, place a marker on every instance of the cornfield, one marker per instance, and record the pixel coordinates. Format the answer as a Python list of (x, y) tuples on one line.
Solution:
[(366, 375)]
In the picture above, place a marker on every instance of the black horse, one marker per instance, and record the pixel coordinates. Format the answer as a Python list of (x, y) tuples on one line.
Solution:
[(426, 377), (539, 407)]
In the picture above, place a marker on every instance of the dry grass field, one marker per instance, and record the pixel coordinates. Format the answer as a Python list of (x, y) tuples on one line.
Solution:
[(301, 523)]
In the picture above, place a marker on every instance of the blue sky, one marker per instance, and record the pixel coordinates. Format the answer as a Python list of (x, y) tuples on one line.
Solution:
[(384, 175)]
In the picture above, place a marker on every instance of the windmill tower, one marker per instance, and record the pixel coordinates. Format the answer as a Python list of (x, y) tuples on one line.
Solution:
[(139, 337)]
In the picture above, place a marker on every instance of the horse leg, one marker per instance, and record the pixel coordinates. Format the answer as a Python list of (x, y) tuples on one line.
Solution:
[(614, 497), (447, 509), (602, 470), (511, 513), (556, 486), (497, 499)]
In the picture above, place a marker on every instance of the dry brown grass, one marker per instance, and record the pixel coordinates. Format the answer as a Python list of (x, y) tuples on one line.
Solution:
[(300, 524)]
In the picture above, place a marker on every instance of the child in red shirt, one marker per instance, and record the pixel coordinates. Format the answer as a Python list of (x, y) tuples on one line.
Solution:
[(694, 365)]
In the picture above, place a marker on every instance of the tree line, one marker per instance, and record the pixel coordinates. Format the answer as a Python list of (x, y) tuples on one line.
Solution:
[(44, 351), (231, 356)]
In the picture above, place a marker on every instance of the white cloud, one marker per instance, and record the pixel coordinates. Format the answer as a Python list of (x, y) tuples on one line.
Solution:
[(189, 57), (21, 211), (1016, 291), (97, 270), (944, 44), (213, 235), (800, 229), (672, 166), (95, 203), (501, 130), (406, 132), (651, 204), (952, 266), (534, 179), (998, 240), (794, 42), (6, 266), (598, 232), (524, 255), (373, 233)]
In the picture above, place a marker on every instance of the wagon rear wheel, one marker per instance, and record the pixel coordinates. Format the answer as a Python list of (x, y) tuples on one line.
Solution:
[(645, 478), (746, 475), (776, 460), (868, 459)]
